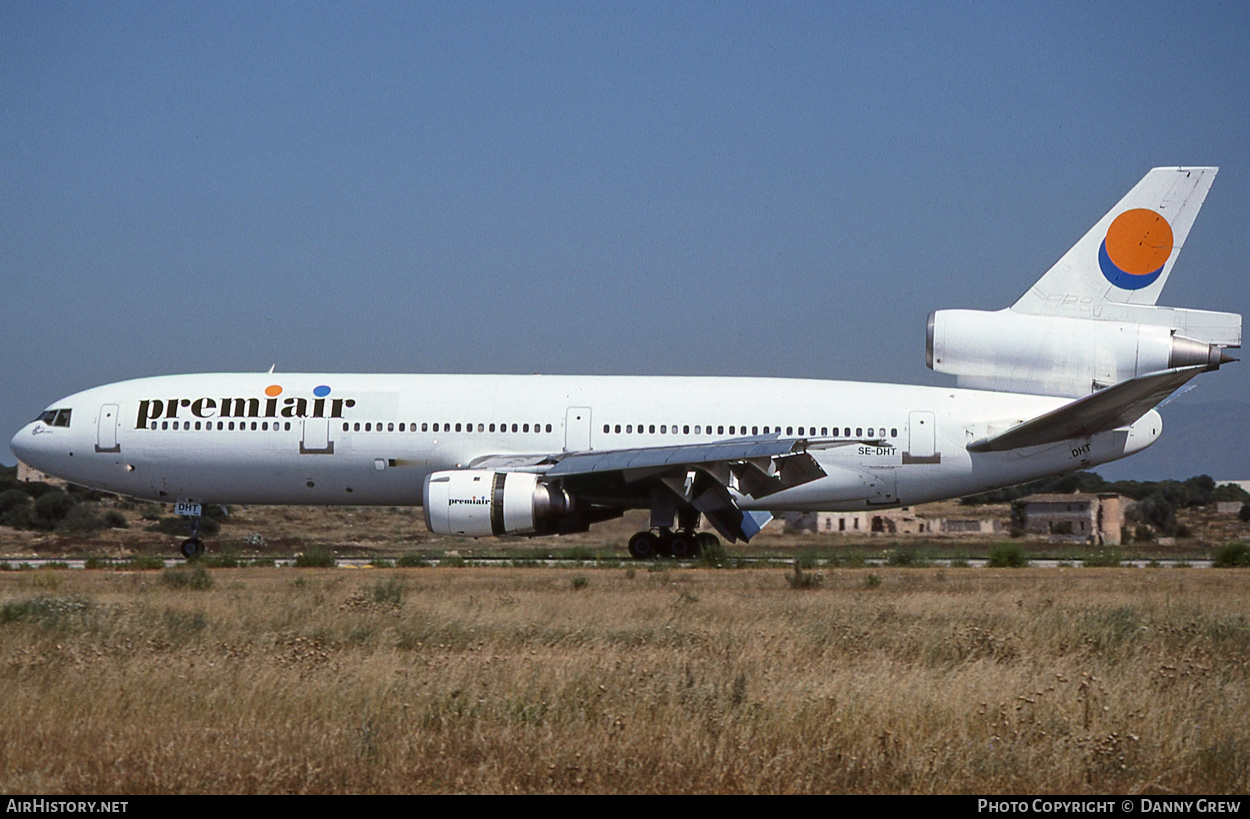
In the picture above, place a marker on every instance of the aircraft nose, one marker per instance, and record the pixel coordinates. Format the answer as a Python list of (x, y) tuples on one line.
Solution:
[(24, 446)]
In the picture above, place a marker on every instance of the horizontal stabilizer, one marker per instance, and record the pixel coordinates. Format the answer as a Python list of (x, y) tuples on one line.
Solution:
[(1114, 407)]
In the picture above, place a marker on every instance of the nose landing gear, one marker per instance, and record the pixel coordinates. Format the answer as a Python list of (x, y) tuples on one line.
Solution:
[(192, 548)]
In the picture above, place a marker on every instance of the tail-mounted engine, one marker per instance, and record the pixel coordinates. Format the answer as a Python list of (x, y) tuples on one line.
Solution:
[(1056, 355), (482, 502)]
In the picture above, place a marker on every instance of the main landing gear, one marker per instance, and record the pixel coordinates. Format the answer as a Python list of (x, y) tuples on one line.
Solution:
[(683, 544)]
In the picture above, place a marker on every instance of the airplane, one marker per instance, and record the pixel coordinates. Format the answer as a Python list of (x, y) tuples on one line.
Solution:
[(1066, 378)]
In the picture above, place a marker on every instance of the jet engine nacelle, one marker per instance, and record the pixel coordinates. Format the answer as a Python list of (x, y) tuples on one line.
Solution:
[(484, 503), (1051, 355)]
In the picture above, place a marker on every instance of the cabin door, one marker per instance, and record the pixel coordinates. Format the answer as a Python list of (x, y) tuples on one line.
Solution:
[(577, 429), (316, 440), (106, 431)]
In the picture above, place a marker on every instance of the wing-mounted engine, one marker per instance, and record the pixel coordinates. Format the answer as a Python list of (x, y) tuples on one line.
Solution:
[(1011, 351), (483, 502)]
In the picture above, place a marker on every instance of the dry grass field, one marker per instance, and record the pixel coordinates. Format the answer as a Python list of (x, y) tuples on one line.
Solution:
[(625, 679)]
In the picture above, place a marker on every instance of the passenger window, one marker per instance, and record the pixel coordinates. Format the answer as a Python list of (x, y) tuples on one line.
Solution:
[(651, 429), (859, 432), (525, 427), (664, 429), (549, 427), (893, 432)]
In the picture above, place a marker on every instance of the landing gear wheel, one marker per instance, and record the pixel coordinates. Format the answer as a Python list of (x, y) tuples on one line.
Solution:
[(706, 542), (643, 546), (682, 545), (192, 548)]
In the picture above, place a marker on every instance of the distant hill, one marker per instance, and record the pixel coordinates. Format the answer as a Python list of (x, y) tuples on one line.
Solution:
[(1198, 439)]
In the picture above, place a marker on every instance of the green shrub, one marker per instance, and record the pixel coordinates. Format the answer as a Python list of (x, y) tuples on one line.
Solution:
[(578, 583), (1232, 555), (411, 560), (1106, 558), (196, 578), (316, 557), (11, 499), (577, 553), (388, 591), (46, 611), (806, 559), (905, 557), (871, 581), (804, 579), (1007, 556), (713, 556), (52, 507), (80, 520)]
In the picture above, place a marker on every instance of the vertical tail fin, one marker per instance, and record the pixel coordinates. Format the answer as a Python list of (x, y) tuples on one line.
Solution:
[(1092, 321), (1127, 256)]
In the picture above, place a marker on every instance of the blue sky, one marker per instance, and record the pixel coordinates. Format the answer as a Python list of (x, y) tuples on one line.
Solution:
[(690, 188)]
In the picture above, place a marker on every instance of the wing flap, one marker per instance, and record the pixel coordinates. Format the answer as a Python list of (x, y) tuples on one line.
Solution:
[(1114, 407), (580, 463)]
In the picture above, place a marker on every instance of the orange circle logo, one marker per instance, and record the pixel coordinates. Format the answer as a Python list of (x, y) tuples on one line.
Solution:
[(1138, 245)]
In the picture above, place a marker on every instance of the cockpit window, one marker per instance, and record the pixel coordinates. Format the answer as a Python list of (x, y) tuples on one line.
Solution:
[(55, 417)]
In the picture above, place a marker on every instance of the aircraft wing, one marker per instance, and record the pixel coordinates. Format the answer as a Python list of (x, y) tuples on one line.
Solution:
[(1111, 408), (710, 477)]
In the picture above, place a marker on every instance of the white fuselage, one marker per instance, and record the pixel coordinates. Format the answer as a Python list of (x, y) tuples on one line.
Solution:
[(372, 439)]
